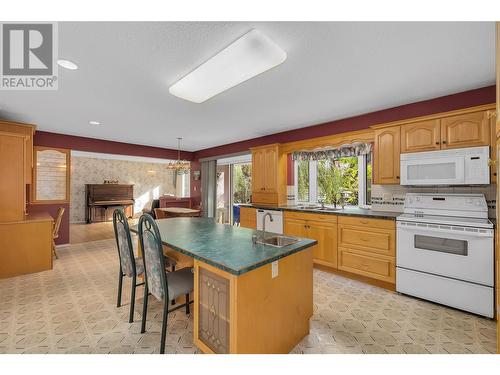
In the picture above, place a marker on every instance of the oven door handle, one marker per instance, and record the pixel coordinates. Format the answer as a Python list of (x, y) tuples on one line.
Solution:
[(440, 230)]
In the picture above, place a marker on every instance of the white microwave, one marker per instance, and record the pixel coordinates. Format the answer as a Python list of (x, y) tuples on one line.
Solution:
[(460, 166)]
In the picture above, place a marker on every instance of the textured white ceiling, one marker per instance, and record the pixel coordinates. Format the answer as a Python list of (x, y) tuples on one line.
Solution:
[(334, 70)]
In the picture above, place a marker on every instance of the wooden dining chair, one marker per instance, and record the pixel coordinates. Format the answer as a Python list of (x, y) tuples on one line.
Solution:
[(55, 230), (160, 214), (162, 285)]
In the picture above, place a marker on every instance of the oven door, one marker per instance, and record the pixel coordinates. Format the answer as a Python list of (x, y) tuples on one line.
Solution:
[(457, 252), (432, 171)]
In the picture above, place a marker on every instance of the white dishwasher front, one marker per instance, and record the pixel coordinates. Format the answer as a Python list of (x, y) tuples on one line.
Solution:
[(275, 226)]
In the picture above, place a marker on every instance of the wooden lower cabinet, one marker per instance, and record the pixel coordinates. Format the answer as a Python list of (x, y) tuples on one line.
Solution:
[(248, 217), (213, 311), (355, 245), (367, 264), (26, 245), (322, 228), (367, 247), (253, 312), (325, 252)]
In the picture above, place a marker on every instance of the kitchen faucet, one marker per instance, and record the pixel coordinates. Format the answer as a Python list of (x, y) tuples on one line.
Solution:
[(263, 233)]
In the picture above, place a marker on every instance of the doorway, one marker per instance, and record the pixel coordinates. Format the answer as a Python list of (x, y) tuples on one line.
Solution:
[(234, 187)]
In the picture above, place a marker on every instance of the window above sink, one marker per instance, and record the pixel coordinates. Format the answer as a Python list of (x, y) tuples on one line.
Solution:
[(324, 180)]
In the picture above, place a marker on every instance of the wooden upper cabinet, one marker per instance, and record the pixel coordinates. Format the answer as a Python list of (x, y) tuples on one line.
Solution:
[(28, 131), (268, 175), (257, 168), (270, 169), (386, 155), (421, 136), (12, 187), (465, 130)]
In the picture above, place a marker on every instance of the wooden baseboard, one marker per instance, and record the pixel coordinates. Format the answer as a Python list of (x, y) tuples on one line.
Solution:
[(364, 279)]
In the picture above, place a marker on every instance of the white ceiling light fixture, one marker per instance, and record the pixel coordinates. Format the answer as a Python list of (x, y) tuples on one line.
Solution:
[(94, 122), (67, 64), (247, 57)]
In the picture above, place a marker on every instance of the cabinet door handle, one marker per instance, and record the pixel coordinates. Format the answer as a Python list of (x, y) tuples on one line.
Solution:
[(444, 142), (437, 143), (397, 177)]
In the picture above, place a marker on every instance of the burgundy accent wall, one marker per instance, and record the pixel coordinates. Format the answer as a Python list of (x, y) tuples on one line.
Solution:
[(52, 210), (485, 95), (73, 142)]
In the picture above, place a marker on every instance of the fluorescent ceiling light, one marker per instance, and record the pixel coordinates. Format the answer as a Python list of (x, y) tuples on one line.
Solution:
[(67, 64), (250, 55), (94, 123)]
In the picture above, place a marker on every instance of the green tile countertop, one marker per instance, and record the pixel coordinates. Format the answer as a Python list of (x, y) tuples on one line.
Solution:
[(347, 211), (223, 246)]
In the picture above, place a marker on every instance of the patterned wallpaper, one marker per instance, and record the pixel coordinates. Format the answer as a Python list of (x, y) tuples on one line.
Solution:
[(150, 180)]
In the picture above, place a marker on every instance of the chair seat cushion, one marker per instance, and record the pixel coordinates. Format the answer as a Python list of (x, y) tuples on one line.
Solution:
[(180, 282)]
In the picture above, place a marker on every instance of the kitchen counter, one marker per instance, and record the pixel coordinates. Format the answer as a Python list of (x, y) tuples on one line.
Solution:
[(348, 211), (248, 298), (225, 247)]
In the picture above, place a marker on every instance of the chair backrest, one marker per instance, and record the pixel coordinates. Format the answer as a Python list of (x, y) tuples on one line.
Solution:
[(124, 243), (152, 256), (160, 214), (57, 223)]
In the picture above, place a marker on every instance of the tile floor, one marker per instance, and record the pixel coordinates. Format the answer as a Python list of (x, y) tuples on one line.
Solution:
[(71, 309)]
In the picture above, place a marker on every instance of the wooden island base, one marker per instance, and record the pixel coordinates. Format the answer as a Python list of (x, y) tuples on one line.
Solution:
[(253, 312)]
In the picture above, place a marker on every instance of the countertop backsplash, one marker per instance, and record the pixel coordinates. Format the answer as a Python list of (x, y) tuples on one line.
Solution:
[(392, 197)]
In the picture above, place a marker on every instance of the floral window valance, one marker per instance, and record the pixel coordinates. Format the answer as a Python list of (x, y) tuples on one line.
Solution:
[(355, 149)]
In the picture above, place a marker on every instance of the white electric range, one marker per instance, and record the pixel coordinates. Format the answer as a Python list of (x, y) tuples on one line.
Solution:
[(445, 251)]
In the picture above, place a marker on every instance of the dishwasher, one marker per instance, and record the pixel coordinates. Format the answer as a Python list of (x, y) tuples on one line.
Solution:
[(275, 226)]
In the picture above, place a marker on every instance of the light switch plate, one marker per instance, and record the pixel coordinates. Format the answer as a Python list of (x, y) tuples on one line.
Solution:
[(274, 269)]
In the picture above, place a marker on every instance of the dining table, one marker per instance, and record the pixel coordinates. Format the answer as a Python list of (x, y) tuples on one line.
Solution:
[(180, 212)]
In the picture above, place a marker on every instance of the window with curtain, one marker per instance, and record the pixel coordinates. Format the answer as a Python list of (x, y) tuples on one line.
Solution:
[(330, 175)]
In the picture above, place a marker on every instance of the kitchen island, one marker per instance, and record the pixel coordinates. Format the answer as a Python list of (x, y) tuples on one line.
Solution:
[(248, 298)]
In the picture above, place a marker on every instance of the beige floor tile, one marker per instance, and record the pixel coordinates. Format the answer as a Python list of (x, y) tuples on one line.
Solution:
[(72, 309)]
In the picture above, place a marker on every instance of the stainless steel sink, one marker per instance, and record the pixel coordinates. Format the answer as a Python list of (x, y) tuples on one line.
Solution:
[(308, 207), (327, 209), (278, 241)]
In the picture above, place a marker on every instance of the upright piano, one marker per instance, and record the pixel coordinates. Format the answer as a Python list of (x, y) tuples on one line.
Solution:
[(102, 199)]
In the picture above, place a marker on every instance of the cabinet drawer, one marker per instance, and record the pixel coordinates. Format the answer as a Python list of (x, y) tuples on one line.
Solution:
[(265, 198), (310, 216), (367, 222), (381, 268), (371, 240)]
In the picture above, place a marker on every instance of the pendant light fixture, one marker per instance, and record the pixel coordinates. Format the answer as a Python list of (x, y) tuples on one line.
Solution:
[(180, 166)]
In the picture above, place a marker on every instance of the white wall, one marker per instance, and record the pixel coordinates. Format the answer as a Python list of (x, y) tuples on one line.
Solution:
[(150, 180)]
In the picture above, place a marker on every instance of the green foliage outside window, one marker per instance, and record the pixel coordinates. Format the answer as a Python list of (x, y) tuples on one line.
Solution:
[(303, 180), (336, 178), (242, 183)]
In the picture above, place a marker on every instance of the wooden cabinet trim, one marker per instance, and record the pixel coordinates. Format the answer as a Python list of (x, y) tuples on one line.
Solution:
[(440, 115)]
